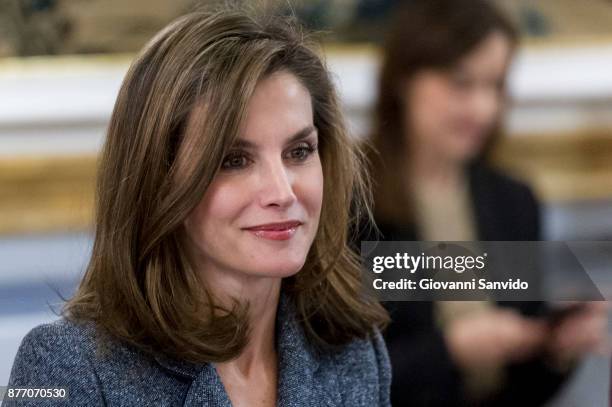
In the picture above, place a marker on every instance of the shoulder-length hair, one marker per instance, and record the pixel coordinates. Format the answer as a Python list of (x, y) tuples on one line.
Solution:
[(424, 34), (177, 114)]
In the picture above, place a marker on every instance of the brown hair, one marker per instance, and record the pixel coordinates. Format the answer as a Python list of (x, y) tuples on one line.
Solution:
[(176, 116), (425, 34)]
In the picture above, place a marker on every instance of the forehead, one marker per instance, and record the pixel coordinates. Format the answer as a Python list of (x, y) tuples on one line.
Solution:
[(491, 53), (279, 107)]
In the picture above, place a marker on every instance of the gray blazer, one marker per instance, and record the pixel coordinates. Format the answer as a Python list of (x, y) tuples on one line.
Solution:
[(64, 354)]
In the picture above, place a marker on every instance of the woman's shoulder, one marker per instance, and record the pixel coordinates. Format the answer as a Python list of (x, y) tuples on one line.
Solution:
[(363, 370), (52, 355), (82, 344), (362, 358), (507, 208), (92, 365), (494, 180), (58, 339), (361, 353), (59, 333), (51, 350)]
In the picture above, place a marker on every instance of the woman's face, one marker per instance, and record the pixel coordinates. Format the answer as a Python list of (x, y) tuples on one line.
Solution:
[(260, 215), (452, 112)]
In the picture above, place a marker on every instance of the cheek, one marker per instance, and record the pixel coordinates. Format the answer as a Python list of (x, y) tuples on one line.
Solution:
[(309, 188), (430, 105), (222, 203)]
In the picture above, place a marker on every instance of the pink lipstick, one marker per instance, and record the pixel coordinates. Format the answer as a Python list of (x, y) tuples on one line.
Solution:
[(275, 231)]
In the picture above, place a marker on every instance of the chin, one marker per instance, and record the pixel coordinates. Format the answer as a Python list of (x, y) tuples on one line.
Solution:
[(277, 267), (275, 272), (463, 153), (467, 156)]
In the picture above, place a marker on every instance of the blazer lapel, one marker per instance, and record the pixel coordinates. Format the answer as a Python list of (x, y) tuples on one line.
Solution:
[(206, 388), (300, 381), (484, 204)]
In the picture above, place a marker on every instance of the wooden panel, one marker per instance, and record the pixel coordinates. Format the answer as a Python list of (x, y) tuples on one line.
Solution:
[(39, 194), (561, 167)]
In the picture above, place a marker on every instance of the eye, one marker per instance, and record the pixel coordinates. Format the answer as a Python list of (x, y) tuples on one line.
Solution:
[(235, 160), (301, 152)]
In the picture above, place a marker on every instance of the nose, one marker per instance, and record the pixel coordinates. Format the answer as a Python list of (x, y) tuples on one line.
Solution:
[(277, 186)]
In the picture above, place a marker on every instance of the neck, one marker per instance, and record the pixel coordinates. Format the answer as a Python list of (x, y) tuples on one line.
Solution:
[(260, 349), (429, 166), (262, 295)]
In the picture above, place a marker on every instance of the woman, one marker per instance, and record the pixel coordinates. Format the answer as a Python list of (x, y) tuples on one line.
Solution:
[(220, 272), (441, 94)]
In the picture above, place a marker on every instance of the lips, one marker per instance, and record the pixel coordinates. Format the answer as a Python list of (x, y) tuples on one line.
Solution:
[(275, 231)]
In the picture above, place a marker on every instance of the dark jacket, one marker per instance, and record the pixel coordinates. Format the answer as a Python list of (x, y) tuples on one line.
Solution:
[(423, 371), (100, 371)]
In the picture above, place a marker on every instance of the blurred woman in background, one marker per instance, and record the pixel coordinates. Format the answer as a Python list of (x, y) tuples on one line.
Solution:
[(441, 95)]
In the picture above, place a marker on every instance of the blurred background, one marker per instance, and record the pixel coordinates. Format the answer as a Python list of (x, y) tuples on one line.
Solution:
[(62, 62)]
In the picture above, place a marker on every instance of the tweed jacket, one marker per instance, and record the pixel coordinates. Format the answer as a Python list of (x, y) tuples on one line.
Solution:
[(69, 355)]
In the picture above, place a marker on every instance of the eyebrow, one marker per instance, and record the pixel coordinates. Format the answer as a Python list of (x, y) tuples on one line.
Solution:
[(300, 135)]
